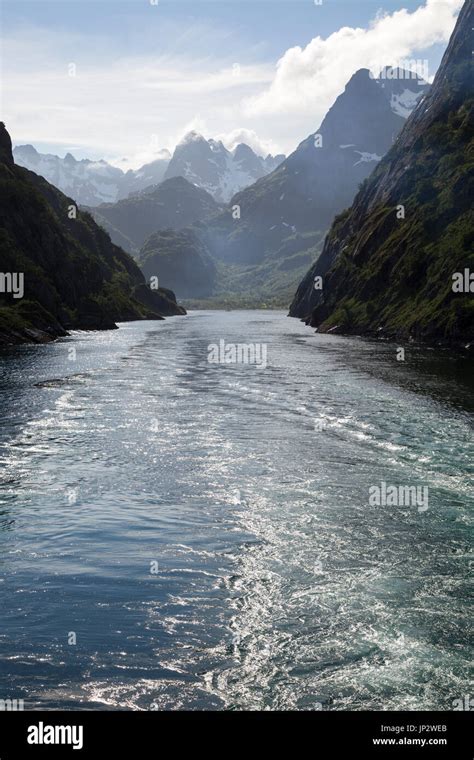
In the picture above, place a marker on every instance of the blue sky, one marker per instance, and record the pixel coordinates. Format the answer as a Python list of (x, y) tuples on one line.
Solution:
[(145, 74)]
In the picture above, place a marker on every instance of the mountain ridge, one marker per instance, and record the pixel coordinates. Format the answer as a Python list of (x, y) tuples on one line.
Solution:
[(92, 183), (222, 173), (388, 262)]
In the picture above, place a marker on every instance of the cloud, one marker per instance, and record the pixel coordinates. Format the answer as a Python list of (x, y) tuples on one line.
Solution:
[(250, 138), (116, 106), (307, 80), (122, 105)]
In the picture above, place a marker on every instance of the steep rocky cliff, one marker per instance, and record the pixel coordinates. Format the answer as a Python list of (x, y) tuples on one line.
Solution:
[(58, 269), (388, 263)]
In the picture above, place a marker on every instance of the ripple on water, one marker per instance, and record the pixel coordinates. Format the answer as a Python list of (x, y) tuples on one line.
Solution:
[(206, 532)]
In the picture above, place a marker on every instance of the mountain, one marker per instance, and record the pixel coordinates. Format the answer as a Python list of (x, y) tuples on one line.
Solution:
[(320, 178), (391, 261), (271, 232), (208, 164), (60, 273), (180, 261), (401, 88), (150, 174), (90, 182), (174, 204)]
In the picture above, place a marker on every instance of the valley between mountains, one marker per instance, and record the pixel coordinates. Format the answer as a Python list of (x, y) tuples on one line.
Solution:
[(217, 228)]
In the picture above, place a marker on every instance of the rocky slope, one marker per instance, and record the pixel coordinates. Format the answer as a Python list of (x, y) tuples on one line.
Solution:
[(320, 178), (208, 164), (72, 275), (271, 232), (173, 204), (180, 261), (388, 262)]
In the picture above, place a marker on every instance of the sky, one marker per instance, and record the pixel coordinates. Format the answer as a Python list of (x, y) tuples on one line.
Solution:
[(123, 80)]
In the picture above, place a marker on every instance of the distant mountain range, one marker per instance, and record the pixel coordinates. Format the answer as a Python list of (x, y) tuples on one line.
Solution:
[(264, 237), (273, 230), (205, 163), (208, 164), (268, 235), (390, 261), (89, 182), (72, 276)]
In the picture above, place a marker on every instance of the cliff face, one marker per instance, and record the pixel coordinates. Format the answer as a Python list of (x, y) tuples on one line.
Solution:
[(388, 262), (58, 269)]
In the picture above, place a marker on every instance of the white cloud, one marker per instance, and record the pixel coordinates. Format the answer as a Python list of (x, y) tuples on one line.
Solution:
[(249, 137), (118, 107), (121, 105), (307, 80)]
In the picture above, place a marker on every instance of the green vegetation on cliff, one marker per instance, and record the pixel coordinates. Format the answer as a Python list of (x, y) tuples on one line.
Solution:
[(73, 276), (388, 262)]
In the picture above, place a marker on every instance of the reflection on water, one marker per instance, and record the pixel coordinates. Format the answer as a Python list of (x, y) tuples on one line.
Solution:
[(203, 532)]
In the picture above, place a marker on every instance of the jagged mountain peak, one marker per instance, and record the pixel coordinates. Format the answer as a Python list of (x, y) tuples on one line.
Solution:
[(91, 182), (27, 150), (191, 137), (210, 165), (242, 150), (388, 261), (361, 82), (217, 145), (205, 163), (288, 211)]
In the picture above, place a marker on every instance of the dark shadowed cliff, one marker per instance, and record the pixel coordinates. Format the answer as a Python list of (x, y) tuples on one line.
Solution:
[(71, 275)]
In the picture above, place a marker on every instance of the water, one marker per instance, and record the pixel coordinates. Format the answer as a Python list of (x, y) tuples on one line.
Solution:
[(277, 585)]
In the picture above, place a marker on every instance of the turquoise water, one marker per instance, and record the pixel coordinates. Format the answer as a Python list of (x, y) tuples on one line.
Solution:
[(204, 534)]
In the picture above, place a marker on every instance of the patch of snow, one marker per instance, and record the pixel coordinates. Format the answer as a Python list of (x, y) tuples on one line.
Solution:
[(366, 157), (404, 103)]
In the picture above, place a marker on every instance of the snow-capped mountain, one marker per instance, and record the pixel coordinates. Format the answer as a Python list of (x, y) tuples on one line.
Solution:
[(205, 163), (90, 182), (320, 178), (208, 164)]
